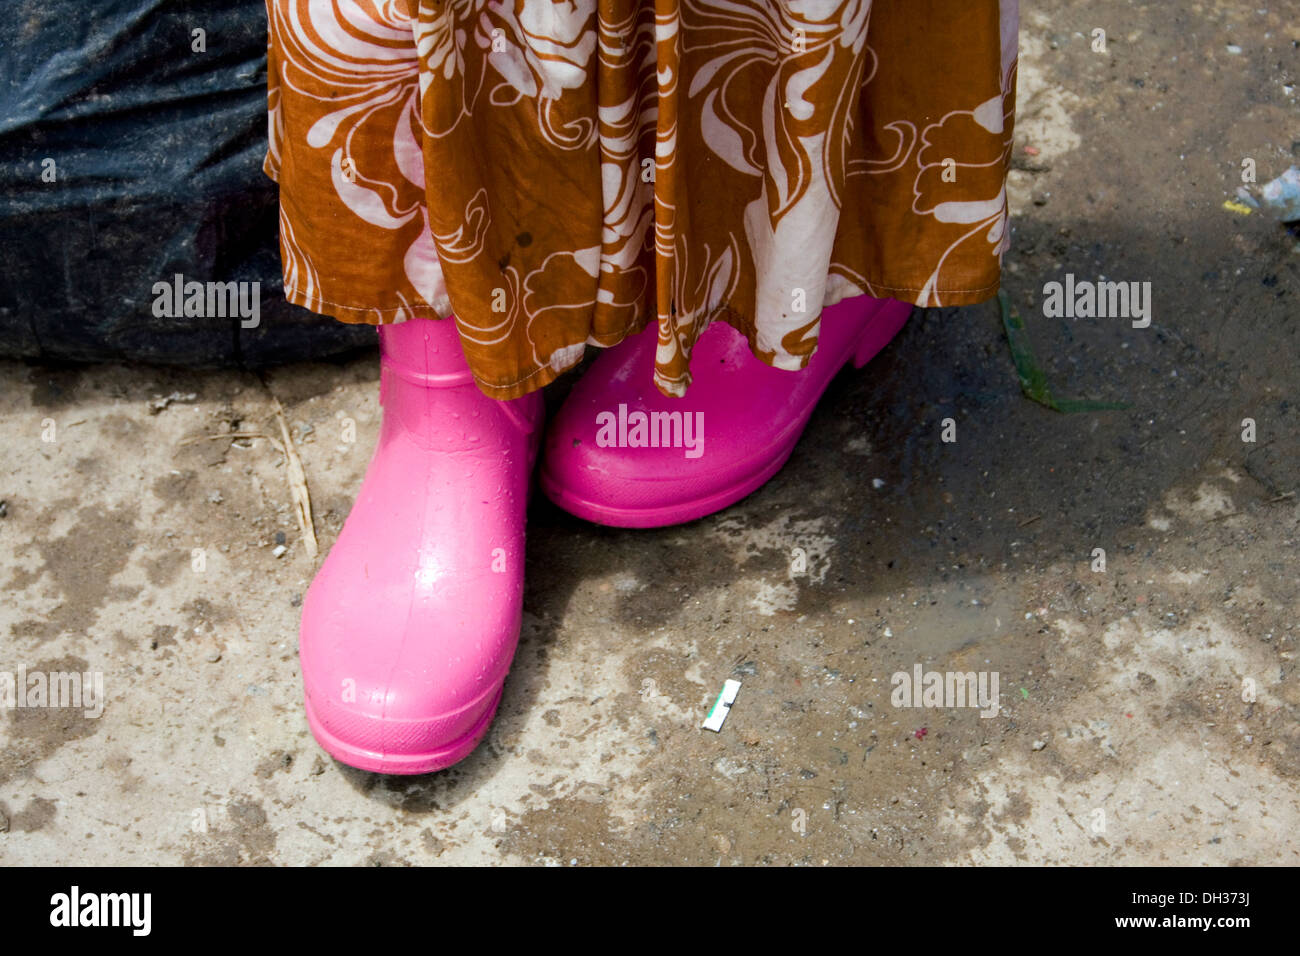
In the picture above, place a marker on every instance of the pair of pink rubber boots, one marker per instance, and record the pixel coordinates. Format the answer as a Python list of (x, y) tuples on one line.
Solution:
[(410, 626)]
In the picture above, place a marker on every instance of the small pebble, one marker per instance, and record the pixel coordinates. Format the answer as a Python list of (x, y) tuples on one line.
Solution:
[(1039, 744), (162, 402), (1233, 48), (213, 656), (877, 483), (278, 550)]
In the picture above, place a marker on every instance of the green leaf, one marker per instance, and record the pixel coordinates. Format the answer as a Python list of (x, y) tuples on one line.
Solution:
[(1033, 382)]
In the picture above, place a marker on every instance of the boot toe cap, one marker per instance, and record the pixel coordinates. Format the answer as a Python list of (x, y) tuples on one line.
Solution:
[(398, 689)]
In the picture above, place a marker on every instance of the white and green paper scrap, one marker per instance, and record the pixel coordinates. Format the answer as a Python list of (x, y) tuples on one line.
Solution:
[(722, 706)]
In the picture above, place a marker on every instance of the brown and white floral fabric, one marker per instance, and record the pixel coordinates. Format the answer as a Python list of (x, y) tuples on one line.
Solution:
[(558, 174)]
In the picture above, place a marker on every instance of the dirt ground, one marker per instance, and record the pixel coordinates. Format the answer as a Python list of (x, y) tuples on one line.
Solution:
[(1124, 734)]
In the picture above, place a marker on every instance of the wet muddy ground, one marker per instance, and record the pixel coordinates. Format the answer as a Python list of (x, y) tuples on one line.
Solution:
[(1148, 711)]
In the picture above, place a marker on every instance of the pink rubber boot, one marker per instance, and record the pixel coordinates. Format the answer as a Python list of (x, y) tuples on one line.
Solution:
[(410, 626), (621, 453)]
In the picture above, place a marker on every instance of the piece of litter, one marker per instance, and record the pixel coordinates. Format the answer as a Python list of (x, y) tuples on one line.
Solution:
[(1281, 196), (1039, 744), (722, 706), (278, 550), (877, 483), (1240, 208)]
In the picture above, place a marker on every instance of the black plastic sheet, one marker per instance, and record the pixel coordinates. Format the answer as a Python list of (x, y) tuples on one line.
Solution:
[(155, 135)]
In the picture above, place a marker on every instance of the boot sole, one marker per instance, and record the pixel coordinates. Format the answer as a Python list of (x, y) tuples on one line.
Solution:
[(403, 764), (666, 515)]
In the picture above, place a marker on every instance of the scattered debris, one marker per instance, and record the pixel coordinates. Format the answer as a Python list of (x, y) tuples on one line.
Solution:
[(1040, 744), (294, 472), (278, 551), (231, 437), (920, 734)]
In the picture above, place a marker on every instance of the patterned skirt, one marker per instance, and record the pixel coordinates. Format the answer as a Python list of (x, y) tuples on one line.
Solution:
[(559, 174)]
